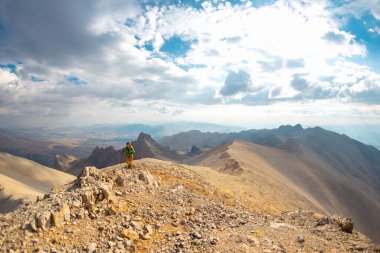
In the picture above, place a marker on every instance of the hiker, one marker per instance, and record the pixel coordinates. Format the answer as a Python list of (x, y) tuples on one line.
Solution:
[(129, 151)]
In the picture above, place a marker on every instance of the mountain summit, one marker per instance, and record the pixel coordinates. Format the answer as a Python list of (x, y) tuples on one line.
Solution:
[(161, 206)]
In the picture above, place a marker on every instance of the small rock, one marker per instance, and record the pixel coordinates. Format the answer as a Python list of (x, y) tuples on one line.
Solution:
[(130, 234), (148, 229), (111, 244), (196, 235), (91, 248), (39, 198), (147, 236), (76, 203), (301, 239), (322, 221), (362, 247), (175, 223), (112, 210), (214, 240)]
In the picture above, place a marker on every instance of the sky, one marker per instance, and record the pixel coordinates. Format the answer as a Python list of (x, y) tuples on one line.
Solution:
[(247, 63)]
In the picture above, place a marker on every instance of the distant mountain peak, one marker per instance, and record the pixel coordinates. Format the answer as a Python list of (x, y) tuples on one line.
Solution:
[(144, 136), (288, 129), (296, 127)]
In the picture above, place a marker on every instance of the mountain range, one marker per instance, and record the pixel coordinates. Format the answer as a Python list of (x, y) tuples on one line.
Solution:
[(269, 170), (145, 147), (340, 151)]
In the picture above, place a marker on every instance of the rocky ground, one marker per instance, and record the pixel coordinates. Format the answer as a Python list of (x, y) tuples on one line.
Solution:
[(164, 207)]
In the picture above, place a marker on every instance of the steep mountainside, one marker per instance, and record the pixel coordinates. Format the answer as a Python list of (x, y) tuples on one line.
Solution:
[(146, 147), (22, 180), (295, 177), (165, 207)]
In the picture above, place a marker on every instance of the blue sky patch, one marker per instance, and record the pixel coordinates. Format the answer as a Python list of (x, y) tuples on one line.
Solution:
[(361, 29), (176, 46), (75, 80), (10, 67), (259, 3), (148, 46)]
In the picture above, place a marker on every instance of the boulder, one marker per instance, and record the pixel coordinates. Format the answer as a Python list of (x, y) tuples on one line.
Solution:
[(44, 220), (87, 200), (346, 224), (106, 192), (63, 214), (120, 181), (148, 179), (89, 171), (30, 226)]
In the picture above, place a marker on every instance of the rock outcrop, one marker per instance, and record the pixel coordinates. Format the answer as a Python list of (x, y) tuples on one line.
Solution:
[(194, 151)]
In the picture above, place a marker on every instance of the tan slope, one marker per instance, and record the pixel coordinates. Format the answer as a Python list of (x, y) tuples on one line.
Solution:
[(24, 179), (274, 180), (252, 179)]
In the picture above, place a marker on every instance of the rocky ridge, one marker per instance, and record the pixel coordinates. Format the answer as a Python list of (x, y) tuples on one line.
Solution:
[(161, 206)]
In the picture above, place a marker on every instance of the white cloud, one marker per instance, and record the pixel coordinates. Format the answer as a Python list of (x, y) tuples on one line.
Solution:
[(360, 7), (7, 78), (103, 43), (375, 29)]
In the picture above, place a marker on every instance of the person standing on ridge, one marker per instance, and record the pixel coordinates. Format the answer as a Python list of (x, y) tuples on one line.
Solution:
[(129, 151)]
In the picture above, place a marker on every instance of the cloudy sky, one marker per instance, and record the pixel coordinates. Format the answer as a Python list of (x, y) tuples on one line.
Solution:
[(249, 63)]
